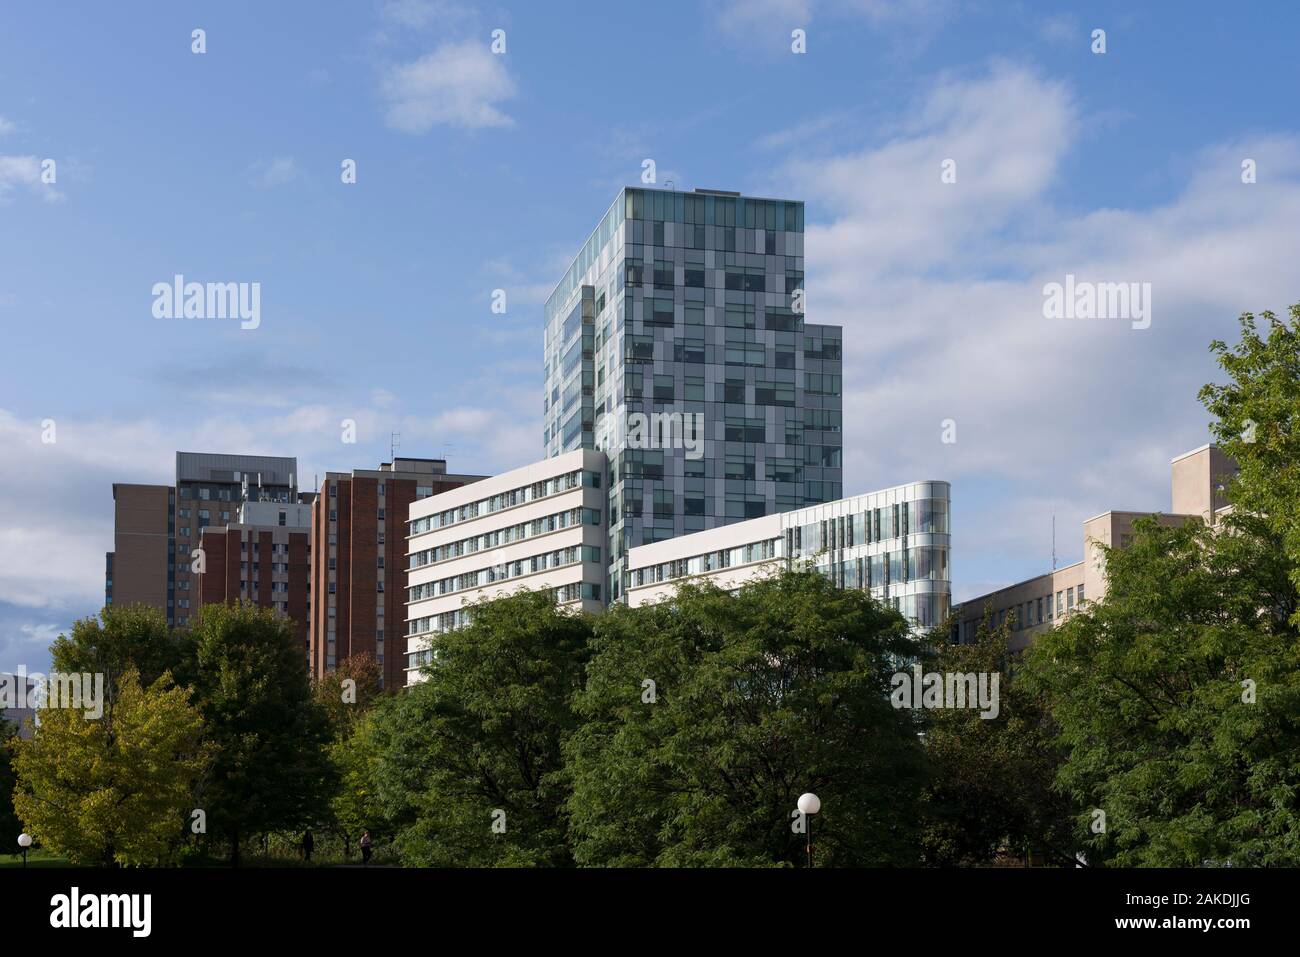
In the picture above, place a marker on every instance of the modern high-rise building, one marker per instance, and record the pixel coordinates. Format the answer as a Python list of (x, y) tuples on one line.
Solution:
[(264, 558), (676, 342), (1199, 478), (540, 527), (358, 565), (157, 527)]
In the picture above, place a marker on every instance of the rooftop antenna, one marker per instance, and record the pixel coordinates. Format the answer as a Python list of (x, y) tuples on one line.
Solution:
[(1053, 542), (393, 445), (670, 185)]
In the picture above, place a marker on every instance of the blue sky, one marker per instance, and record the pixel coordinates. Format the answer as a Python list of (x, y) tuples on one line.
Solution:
[(478, 172)]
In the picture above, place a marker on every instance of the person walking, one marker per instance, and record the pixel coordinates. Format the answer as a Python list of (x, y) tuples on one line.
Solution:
[(365, 847), (308, 845)]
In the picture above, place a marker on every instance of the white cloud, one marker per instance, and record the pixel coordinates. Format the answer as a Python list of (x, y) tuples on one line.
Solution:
[(418, 14), (458, 84), (24, 172), (6, 126), (774, 19), (939, 289), (274, 172)]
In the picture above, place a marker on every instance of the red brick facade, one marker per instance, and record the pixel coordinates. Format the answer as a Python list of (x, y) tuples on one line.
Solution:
[(225, 579), (356, 624)]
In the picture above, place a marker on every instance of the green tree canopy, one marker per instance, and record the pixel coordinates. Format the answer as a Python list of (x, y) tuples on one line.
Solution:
[(993, 791), (1258, 423), (121, 638), (118, 789), (1178, 699), (757, 697), (10, 826), (271, 770), (468, 768)]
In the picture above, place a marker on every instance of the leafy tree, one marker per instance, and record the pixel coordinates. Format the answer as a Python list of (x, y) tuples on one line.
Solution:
[(757, 697), (271, 770), (117, 789), (1178, 699), (468, 767), (1258, 424), (121, 638), (10, 826), (354, 807), (347, 695), (345, 703), (992, 791)]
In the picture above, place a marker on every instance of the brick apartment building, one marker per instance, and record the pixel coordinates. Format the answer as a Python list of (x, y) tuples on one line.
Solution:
[(265, 558), (157, 527), (358, 574)]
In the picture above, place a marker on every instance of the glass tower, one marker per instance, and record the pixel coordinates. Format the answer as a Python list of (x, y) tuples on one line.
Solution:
[(676, 342)]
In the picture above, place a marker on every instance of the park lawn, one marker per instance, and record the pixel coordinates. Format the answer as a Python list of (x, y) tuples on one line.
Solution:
[(37, 857)]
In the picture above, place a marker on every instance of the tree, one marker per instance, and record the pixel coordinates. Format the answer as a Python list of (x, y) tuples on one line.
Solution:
[(1178, 699), (117, 789), (706, 716), (468, 764), (271, 771), (993, 787), (354, 807), (10, 826), (1258, 424), (347, 695), (121, 638)]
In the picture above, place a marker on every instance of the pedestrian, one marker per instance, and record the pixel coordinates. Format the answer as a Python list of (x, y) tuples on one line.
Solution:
[(308, 845), (365, 847)]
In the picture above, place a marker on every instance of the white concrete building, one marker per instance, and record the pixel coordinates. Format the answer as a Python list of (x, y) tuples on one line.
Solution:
[(538, 527), (894, 543)]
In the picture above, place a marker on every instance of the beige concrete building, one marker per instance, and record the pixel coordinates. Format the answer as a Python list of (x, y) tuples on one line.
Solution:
[(540, 527), (1199, 479)]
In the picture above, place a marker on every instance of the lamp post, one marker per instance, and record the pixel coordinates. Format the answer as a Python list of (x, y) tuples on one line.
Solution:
[(809, 804), (24, 841)]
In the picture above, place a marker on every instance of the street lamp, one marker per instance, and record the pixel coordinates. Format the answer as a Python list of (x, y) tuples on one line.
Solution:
[(24, 841), (809, 804)]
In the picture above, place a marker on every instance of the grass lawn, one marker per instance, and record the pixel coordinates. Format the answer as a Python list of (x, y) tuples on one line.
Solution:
[(37, 857)]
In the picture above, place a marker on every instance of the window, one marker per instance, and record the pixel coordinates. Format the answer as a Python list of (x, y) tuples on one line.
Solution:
[(1060, 604)]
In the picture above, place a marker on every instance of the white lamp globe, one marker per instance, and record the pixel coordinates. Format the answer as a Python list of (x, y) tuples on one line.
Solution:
[(809, 803), (24, 840)]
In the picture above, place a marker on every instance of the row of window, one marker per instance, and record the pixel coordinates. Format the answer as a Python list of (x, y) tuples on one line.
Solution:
[(919, 516), (505, 536), (504, 572), (460, 617), (708, 562), (495, 503), (1039, 611), (889, 568)]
